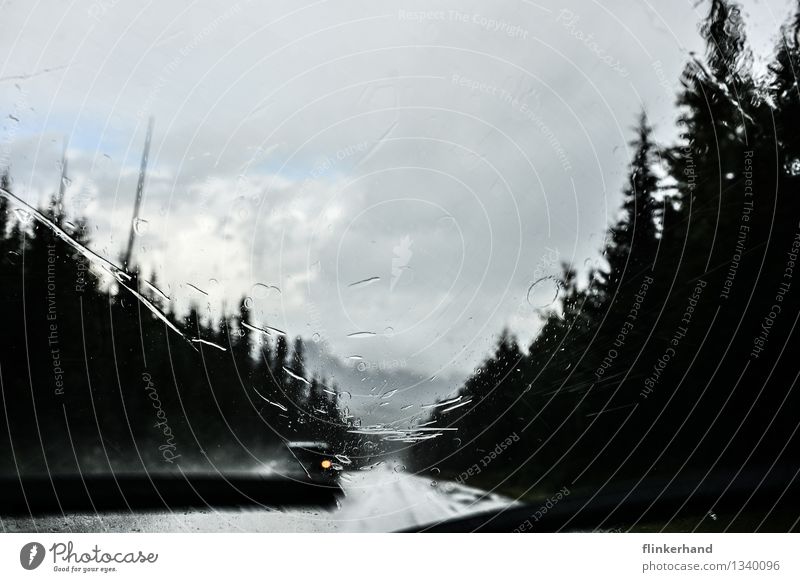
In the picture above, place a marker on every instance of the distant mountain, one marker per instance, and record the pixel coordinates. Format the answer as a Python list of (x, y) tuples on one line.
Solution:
[(390, 392)]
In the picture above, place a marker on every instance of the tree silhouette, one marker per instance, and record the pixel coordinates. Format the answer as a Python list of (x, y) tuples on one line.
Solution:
[(658, 367), (92, 380)]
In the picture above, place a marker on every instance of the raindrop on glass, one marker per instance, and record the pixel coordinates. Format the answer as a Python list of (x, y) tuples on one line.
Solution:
[(140, 225), (361, 334), (263, 291), (23, 216), (543, 292), (364, 282)]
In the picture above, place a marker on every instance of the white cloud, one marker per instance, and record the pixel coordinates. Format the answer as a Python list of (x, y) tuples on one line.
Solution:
[(299, 147)]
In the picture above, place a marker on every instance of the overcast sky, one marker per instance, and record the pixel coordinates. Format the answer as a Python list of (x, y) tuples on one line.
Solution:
[(446, 154)]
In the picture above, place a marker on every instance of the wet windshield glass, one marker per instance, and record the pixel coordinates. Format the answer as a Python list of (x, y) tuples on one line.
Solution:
[(443, 259)]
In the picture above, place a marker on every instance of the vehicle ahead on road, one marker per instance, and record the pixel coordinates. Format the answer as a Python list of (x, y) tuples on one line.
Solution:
[(316, 460)]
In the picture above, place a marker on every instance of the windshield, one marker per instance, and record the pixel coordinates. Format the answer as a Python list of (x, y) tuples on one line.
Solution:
[(435, 260)]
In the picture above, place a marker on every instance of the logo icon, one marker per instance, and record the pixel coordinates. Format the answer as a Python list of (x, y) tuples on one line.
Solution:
[(31, 555)]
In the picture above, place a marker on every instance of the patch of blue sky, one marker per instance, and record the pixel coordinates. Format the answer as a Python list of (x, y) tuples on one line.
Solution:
[(314, 166), (93, 137)]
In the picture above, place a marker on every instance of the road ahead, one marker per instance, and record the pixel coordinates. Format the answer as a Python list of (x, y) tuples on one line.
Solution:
[(375, 501), (382, 500)]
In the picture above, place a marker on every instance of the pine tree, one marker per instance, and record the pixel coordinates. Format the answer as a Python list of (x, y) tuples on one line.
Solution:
[(633, 242), (784, 90), (716, 118)]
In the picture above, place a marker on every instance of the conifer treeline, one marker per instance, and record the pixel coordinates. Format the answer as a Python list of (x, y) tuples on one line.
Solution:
[(680, 356), (92, 380)]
